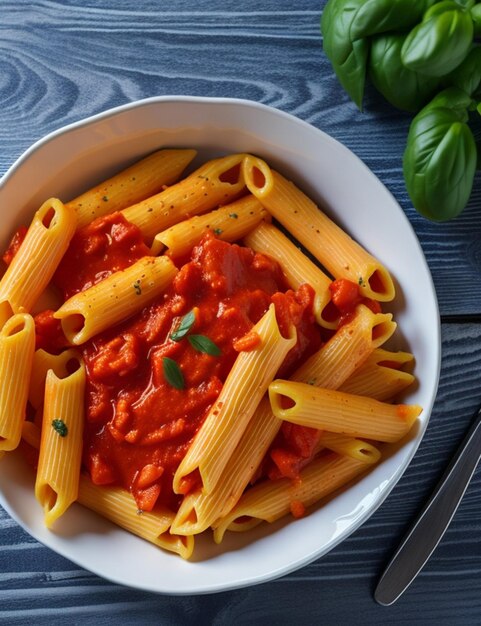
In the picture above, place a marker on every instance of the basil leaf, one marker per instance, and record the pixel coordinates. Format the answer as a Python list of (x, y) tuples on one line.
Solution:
[(201, 343), (440, 42), (185, 325), (172, 373), (60, 427), (380, 16), (440, 158), (403, 88), (348, 58)]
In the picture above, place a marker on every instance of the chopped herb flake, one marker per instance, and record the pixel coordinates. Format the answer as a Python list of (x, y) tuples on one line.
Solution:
[(105, 199), (218, 231), (137, 287), (172, 373), (233, 215), (183, 328), (201, 343), (60, 427)]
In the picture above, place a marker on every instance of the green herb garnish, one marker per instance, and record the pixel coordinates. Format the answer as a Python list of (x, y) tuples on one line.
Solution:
[(201, 343), (60, 427), (172, 373), (105, 199), (183, 328), (233, 215), (137, 287), (218, 231)]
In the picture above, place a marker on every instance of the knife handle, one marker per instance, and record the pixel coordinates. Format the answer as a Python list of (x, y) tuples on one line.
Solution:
[(433, 521)]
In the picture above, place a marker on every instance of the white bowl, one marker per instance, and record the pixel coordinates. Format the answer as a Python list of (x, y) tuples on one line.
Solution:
[(65, 162)]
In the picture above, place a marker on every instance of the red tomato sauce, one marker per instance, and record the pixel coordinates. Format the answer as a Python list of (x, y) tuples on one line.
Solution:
[(106, 245), (138, 426)]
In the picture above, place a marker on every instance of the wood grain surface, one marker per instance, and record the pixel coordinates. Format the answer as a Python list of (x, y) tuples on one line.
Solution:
[(63, 61)]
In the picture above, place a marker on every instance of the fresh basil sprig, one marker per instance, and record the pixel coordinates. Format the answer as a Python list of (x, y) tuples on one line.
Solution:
[(346, 26)]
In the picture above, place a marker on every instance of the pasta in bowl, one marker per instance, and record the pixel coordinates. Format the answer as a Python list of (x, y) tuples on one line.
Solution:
[(198, 336)]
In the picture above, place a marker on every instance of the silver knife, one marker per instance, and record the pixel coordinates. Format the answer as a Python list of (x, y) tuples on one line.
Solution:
[(433, 521)]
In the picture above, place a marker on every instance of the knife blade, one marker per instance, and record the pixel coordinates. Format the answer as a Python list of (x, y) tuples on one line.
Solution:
[(431, 524)]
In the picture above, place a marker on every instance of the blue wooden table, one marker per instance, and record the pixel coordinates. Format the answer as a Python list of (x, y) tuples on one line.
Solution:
[(61, 61)]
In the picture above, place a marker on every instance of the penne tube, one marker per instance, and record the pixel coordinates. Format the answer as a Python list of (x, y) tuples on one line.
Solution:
[(229, 416), (350, 446), (134, 184), (297, 268), (380, 377), (56, 484), (339, 412), (270, 500), (33, 266), (114, 299), (350, 347), (17, 345), (331, 246), (43, 362), (329, 367), (215, 183), (118, 506), (198, 510), (230, 223)]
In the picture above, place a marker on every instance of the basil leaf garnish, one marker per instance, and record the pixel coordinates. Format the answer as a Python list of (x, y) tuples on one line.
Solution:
[(185, 325), (172, 373), (201, 343)]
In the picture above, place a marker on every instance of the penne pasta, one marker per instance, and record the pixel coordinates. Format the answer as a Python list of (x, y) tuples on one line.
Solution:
[(271, 500), (350, 446), (328, 367), (131, 185), (114, 299), (298, 269), (350, 347), (230, 223), (17, 344), (33, 266), (332, 246), (380, 377), (339, 412), (215, 183), (56, 484), (187, 397), (230, 414), (43, 362), (117, 505)]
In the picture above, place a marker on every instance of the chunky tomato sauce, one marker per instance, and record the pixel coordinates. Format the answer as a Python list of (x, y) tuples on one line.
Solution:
[(106, 245), (138, 426)]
